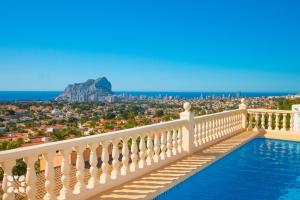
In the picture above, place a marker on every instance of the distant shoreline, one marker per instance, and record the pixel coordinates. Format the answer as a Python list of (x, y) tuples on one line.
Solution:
[(50, 95)]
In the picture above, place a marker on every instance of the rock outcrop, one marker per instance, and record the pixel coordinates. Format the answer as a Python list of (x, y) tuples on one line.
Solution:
[(91, 90)]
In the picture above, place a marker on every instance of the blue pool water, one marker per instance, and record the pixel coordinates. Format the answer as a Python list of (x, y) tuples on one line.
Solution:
[(262, 169)]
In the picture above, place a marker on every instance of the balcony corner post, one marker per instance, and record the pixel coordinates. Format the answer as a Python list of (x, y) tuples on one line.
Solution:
[(189, 129), (296, 120), (243, 106)]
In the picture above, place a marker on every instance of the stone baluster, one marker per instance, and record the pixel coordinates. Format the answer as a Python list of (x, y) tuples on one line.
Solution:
[(30, 177), (105, 176), (239, 121), (235, 119), (218, 130), (250, 121), (277, 122), (229, 123), (115, 163), (208, 130), (125, 156), (179, 141), (291, 122), (169, 144), (134, 155), (79, 187), (270, 120), (174, 139), (217, 127), (7, 168), (204, 132), (65, 192), (163, 146), (226, 125), (213, 131), (156, 147), (93, 169), (196, 136), (149, 150), (243, 120), (263, 125), (256, 121), (200, 137), (142, 153), (232, 123), (221, 126), (284, 122), (49, 176)]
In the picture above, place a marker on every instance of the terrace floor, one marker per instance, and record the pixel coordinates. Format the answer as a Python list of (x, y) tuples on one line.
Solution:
[(160, 180)]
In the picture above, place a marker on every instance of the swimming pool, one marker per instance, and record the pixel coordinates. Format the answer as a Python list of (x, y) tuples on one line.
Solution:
[(262, 169)]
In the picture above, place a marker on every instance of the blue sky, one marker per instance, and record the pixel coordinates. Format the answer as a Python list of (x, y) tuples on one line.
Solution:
[(151, 45)]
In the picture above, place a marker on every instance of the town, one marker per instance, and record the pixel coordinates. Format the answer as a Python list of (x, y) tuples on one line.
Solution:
[(27, 123)]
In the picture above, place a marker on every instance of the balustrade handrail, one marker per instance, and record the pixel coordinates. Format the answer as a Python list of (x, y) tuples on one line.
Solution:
[(44, 148), (208, 116), (262, 110)]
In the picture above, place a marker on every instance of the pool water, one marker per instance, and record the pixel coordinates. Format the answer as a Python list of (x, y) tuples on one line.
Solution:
[(262, 169)]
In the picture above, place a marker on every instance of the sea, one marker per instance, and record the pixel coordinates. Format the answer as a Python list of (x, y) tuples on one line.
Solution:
[(50, 95)]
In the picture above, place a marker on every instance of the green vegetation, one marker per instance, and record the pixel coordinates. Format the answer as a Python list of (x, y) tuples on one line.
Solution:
[(286, 104), (7, 145)]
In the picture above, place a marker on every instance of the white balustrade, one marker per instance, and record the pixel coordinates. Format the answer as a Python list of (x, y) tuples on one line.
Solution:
[(130, 153), (276, 120), (222, 125)]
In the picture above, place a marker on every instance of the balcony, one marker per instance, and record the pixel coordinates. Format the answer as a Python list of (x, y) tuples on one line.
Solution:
[(100, 166)]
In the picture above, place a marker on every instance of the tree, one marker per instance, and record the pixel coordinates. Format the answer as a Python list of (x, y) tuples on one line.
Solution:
[(159, 113), (59, 134)]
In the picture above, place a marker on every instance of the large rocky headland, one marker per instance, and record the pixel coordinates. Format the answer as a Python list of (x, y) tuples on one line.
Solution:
[(91, 90)]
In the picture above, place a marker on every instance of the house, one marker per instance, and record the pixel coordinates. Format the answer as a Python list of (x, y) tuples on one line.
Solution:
[(51, 129)]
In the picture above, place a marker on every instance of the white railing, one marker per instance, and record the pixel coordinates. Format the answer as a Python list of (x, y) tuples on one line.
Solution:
[(90, 165), (210, 128), (264, 120), (150, 147)]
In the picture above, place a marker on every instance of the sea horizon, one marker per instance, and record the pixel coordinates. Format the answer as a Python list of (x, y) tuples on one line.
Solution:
[(50, 95)]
